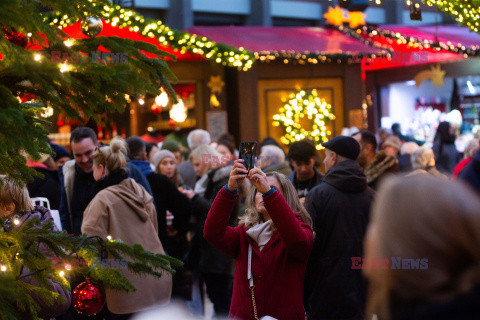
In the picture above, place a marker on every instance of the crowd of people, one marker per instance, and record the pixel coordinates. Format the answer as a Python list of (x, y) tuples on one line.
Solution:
[(291, 238)]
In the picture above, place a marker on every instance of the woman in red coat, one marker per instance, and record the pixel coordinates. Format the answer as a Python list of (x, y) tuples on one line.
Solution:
[(276, 231)]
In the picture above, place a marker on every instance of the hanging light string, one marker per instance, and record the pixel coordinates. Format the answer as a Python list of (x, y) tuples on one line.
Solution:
[(368, 33), (179, 41)]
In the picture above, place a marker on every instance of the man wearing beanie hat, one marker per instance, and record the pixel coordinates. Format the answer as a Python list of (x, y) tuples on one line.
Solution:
[(340, 207)]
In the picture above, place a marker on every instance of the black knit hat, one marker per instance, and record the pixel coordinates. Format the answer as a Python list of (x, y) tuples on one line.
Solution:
[(345, 146), (60, 151)]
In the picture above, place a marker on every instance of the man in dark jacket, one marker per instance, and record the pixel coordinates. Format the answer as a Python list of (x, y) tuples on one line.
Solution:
[(302, 155), (471, 173), (76, 179), (165, 194), (339, 207)]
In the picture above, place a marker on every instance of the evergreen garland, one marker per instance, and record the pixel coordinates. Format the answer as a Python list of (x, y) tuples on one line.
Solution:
[(77, 89), (19, 248)]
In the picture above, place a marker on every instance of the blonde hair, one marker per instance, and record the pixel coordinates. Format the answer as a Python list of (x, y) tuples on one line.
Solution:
[(471, 148), (111, 156), (11, 191), (204, 149), (424, 217), (421, 158), (252, 217)]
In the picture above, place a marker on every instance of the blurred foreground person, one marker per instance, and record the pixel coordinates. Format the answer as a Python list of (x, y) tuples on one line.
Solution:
[(433, 227), (124, 210), (271, 245), (15, 202)]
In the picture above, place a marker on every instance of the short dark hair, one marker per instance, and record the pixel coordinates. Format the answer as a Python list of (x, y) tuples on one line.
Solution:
[(149, 146), (227, 143), (80, 133), (368, 137), (302, 151), (269, 141), (136, 148)]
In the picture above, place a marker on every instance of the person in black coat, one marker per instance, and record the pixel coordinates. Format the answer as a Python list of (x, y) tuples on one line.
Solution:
[(165, 193), (446, 154), (471, 173), (339, 207)]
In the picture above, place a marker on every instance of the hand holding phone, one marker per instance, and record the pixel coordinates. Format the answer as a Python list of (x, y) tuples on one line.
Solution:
[(248, 151)]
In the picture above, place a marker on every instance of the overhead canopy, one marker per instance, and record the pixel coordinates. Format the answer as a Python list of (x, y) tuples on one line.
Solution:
[(446, 34), (412, 45), (285, 42)]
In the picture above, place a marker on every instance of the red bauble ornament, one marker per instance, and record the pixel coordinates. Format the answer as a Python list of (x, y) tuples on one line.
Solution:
[(88, 299), (155, 109), (171, 122), (15, 37), (60, 123)]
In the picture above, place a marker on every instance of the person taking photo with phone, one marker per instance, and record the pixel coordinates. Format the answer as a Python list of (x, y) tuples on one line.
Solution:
[(271, 244)]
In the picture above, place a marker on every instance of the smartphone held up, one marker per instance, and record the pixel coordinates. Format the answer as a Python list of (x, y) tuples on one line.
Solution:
[(248, 151)]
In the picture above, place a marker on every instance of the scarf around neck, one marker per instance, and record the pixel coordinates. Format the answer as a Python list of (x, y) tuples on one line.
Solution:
[(261, 233)]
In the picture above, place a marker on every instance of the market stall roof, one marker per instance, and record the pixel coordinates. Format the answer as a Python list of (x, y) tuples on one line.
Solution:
[(446, 34), (284, 43), (412, 45), (126, 23), (75, 31)]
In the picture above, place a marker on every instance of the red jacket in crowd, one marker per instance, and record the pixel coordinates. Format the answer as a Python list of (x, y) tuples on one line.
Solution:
[(459, 167), (278, 270)]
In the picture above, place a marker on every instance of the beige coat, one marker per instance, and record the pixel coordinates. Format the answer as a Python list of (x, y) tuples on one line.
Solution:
[(126, 211)]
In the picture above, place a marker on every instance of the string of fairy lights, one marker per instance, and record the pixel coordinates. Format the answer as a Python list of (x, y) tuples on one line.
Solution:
[(179, 41), (367, 32), (316, 57), (466, 12), (301, 104)]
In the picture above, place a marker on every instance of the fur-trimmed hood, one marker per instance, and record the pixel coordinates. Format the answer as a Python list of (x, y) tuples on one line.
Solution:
[(219, 174), (381, 164)]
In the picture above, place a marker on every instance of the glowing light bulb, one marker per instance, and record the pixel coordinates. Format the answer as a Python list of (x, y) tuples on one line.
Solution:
[(37, 57), (162, 99), (3, 268), (109, 237), (64, 68), (16, 221), (141, 101), (68, 267), (61, 273)]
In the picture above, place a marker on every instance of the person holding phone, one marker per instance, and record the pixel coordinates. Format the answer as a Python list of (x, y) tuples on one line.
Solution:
[(271, 244)]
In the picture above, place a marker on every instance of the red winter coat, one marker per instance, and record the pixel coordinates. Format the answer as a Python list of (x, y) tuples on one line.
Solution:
[(278, 270)]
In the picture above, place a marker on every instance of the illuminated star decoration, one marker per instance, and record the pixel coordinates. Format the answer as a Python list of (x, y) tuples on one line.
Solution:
[(357, 19), (335, 16), (216, 84), (304, 103), (435, 74)]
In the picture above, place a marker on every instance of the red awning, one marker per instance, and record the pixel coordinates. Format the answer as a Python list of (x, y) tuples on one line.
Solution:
[(453, 34), (108, 30), (405, 55), (298, 40)]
